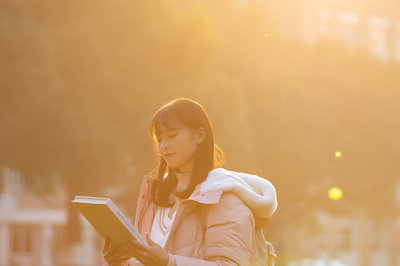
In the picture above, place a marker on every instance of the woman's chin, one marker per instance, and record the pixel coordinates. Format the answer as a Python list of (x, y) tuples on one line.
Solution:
[(172, 166)]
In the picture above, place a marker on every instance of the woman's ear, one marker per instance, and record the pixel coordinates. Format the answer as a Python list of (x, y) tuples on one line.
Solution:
[(201, 135)]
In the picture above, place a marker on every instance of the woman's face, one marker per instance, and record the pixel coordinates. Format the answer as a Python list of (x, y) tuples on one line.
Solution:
[(177, 146)]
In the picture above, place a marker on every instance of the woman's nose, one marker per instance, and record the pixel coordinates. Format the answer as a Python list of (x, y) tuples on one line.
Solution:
[(163, 144)]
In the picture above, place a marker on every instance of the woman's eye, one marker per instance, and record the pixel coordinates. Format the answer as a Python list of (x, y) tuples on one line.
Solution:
[(172, 136)]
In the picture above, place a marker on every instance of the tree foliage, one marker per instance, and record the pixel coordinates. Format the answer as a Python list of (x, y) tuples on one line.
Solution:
[(81, 80)]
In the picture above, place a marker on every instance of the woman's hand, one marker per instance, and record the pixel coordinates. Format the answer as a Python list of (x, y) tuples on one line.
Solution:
[(114, 254), (152, 255)]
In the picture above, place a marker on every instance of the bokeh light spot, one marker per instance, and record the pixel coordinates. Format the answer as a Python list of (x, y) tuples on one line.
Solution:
[(338, 154), (335, 193)]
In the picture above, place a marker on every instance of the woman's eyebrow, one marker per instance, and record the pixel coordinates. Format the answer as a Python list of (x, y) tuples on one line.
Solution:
[(169, 130)]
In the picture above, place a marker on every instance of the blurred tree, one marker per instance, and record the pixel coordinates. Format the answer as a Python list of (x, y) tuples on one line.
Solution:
[(305, 102), (80, 81)]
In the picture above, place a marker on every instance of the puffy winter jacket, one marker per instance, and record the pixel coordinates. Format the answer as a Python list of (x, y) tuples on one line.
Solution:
[(219, 224)]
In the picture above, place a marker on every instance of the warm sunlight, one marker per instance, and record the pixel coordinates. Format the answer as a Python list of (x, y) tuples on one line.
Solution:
[(304, 93)]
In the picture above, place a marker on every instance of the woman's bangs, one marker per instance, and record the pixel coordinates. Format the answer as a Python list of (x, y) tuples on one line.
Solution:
[(164, 120)]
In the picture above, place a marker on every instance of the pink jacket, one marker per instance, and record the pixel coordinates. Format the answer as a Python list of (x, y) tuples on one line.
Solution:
[(219, 224)]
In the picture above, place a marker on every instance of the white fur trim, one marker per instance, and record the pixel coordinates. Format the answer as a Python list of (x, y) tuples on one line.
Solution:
[(257, 193)]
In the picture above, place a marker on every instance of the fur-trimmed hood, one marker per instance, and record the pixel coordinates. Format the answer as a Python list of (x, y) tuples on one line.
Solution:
[(256, 192)]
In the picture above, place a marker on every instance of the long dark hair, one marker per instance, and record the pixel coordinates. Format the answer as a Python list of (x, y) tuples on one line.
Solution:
[(192, 115)]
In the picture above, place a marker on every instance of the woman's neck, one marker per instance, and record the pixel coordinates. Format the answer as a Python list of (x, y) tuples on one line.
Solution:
[(183, 180)]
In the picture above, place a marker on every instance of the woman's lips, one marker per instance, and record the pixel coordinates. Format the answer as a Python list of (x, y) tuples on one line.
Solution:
[(167, 155)]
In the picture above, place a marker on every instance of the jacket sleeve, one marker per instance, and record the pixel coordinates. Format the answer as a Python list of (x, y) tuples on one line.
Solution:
[(228, 235)]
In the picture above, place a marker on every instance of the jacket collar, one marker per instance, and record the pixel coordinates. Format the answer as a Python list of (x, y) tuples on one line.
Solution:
[(210, 197)]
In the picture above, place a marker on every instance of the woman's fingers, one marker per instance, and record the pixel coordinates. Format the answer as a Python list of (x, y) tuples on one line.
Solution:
[(119, 262), (114, 253), (116, 259), (152, 254), (138, 250), (135, 244)]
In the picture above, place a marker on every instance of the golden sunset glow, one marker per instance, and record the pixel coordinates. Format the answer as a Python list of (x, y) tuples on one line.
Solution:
[(303, 92)]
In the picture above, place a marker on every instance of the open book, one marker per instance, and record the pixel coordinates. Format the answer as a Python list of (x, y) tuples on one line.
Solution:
[(106, 218)]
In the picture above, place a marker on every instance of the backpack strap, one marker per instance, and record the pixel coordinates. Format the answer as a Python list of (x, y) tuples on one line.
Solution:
[(271, 254), (264, 251)]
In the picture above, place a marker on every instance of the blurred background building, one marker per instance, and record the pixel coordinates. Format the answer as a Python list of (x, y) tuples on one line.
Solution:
[(344, 236), (371, 26), (33, 227)]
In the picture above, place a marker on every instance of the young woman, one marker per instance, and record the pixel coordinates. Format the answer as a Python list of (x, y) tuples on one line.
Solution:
[(193, 213)]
